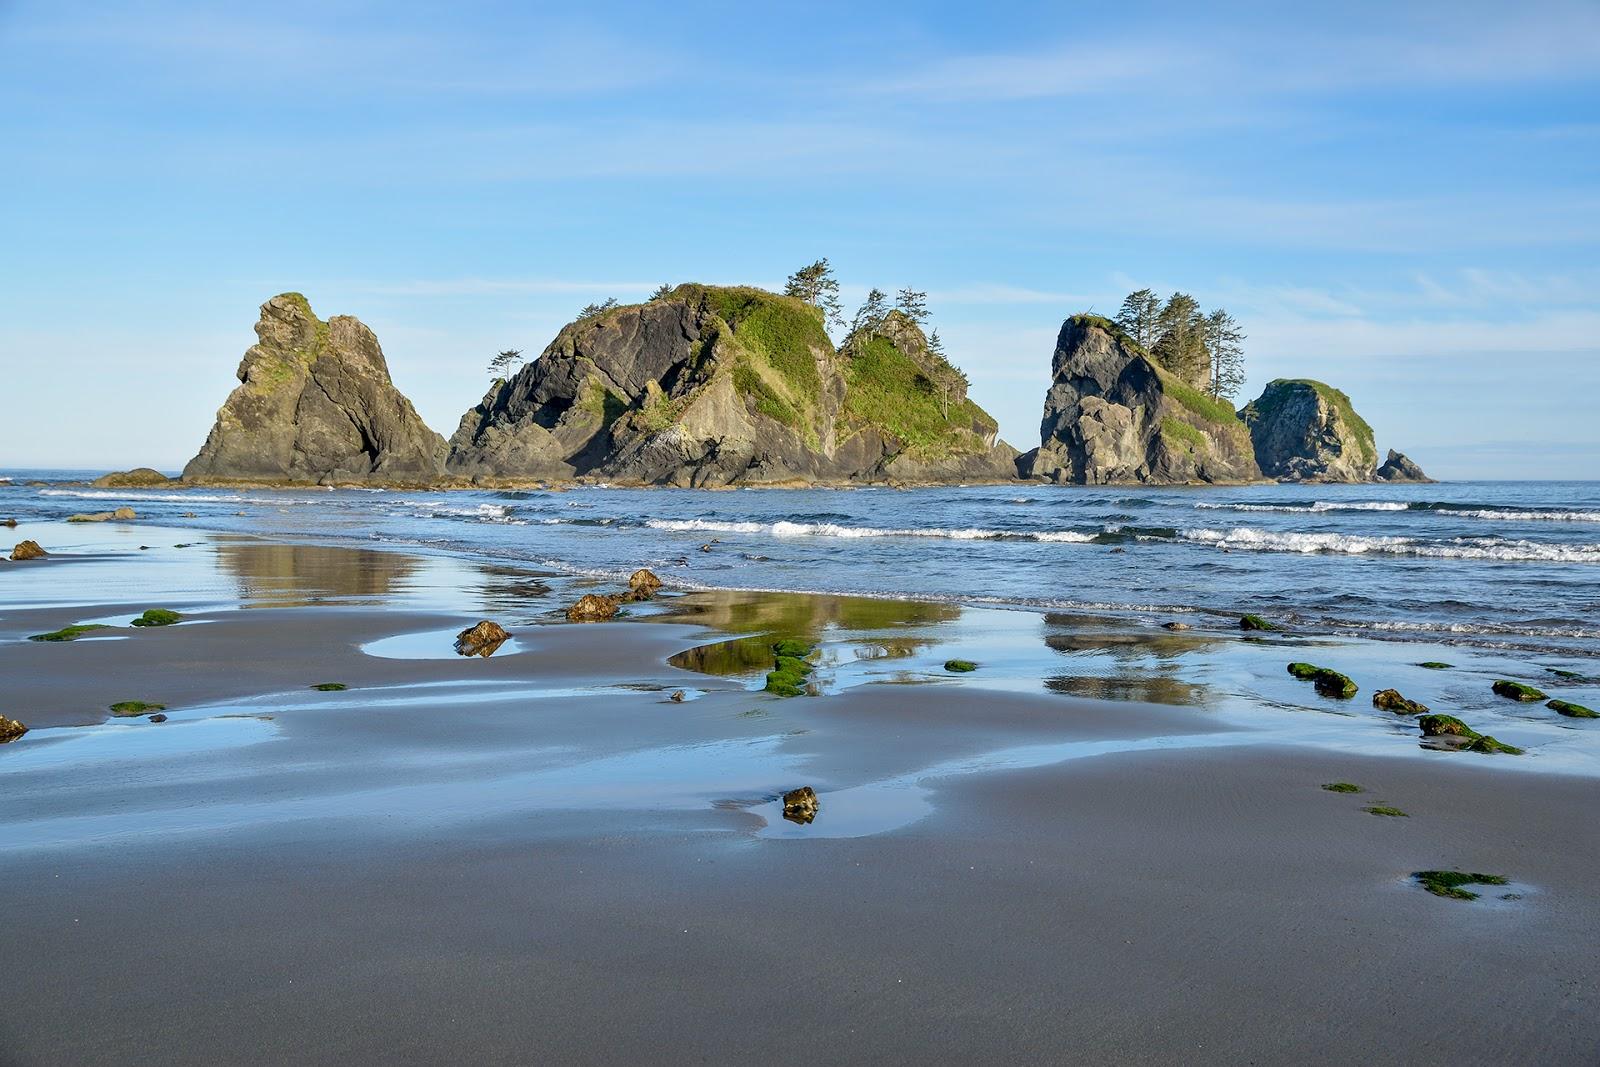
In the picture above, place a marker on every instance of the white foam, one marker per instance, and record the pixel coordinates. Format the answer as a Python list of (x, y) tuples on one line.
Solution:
[(1248, 538)]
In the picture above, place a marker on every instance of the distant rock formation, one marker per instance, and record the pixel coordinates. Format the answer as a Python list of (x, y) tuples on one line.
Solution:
[(715, 386), (138, 478), (1113, 415), (316, 406), (1398, 467), (1307, 431)]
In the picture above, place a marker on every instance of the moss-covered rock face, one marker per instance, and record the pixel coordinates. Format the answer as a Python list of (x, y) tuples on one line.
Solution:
[(10, 730), (791, 668), (1517, 691), (960, 666), (1307, 431), (1391, 700), (1571, 710), (1463, 736), (718, 385), (130, 708), (1329, 683), (1114, 415), (316, 405), (157, 617)]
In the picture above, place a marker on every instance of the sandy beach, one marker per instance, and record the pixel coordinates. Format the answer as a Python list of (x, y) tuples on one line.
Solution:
[(542, 857)]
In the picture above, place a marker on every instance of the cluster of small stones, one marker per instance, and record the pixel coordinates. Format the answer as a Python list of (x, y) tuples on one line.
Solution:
[(595, 607)]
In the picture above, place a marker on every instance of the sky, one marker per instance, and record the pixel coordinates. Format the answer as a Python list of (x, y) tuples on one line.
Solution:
[(1399, 199)]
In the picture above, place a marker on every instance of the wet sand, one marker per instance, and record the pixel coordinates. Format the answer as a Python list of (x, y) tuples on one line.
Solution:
[(539, 857)]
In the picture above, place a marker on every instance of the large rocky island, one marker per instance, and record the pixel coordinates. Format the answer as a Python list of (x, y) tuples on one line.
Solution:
[(315, 405), (715, 386)]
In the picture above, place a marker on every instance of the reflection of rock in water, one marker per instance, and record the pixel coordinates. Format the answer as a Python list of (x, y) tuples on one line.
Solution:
[(802, 615), (1130, 644), (293, 575), (482, 640), (800, 805), (505, 589), (1150, 688)]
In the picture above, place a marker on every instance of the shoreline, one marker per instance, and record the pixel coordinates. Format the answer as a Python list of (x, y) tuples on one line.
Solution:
[(564, 863)]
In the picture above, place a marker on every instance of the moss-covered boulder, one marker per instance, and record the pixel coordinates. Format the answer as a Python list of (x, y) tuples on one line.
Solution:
[(1517, 691), (1463, 736), (960, 666), (316, 405), (1391, 700), (1329, 683), (1115, 415), (27, 550), (1256, 622), (157, 617), (1571, 710), (791, 667), (131, 708), (717, 385), (10, 730), (1308, 431), (70, 633), (1436, 665)]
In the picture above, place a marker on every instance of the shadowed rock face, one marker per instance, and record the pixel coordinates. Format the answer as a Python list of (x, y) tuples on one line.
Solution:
[(1399, 468), (316, 406), (1112, 415), (713, 386), (1305, 431)]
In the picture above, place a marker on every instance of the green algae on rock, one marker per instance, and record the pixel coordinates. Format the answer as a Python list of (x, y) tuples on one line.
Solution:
[(330, 687), (1435, 665), (960, 666), (790, 668), (1342, 787), (1517, 691), (1256, 622), (70, 633), (1571, 710), (1452, 883), (1437, 725), (1384, 809), (1329, 683), (127, 708), (157, 617)]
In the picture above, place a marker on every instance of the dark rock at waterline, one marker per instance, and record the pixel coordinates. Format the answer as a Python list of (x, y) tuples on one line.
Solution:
[(27, 550), (1307, 431), (482, 640), (1328, 682), (138, 478), (1458, 734), (1517, 691), (643, 584), (1391, 700), (1571, 710), (158, 717), (592, 607), (10, 730), (678, 696), (1397, 467), (1176, 626), (316, 406), (1114, 415), (800, 805), (9, 523), (123, 514)]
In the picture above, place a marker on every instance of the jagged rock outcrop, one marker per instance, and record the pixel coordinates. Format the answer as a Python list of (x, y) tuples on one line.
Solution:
[(1114, 415), (316, 406), (715, 386), (1398, 467), (1307, 431)]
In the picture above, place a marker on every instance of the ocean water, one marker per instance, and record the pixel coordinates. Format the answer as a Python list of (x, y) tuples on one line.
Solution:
[(1504, 565)]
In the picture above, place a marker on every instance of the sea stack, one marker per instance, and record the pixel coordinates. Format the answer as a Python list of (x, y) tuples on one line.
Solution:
[(1307, 431), (1114, 415), (316, 406), (1398, 467), (715, 386)]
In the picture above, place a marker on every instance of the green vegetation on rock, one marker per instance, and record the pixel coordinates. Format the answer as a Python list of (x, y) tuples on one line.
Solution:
[(1391, 700), (1435, 665), (127, 708), (1571, 710), (1449, 726), (1383, 809), (960, 666), (1451, 883), (788, 678), (70, 633), (1304, 671), (890, 391), (1256, 622), (157, 617), (330, 687), (1342, 787), (1517, 691), (1328, 682)]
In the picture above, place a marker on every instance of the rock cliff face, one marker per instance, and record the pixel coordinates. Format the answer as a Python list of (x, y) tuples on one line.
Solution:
[(714, 386), (1306, 431), (1112, 415), (1398, 467), (316, 406)]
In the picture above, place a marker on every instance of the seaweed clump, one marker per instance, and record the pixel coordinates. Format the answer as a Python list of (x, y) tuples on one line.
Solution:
[(1452, 883), (790, 668), (1571, 710), (1384, 809), (1517, 691), (1342, 787), (1256, 622), (960, 666), (128, 708), (1471, 740), (70, 633), (1329, 683)]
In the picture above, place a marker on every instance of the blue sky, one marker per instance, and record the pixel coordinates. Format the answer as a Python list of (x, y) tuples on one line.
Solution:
[(1399, 199)]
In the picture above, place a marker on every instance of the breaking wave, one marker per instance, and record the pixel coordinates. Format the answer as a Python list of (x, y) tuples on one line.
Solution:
[(1250, 539), (1465, 511)]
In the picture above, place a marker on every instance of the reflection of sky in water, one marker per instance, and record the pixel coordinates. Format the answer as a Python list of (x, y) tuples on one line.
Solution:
[(432, 644)]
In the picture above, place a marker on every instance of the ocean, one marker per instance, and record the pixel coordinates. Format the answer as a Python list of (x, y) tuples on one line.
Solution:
[(1501, 565)]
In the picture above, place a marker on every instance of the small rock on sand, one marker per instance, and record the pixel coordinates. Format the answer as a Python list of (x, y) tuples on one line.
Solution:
[(27, 550), (800, 805), (483, 640), (592, 608), (10, 729), (643, 584)]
